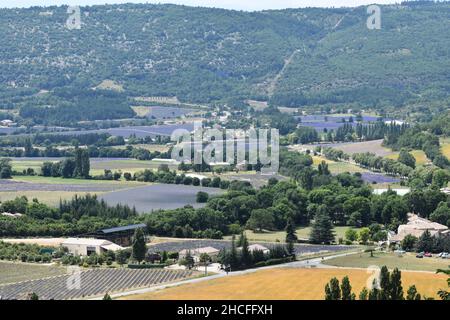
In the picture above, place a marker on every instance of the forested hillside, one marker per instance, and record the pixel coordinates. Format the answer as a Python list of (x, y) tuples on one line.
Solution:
[(289, 57)]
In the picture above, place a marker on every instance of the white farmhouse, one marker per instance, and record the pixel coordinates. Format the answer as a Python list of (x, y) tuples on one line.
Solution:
[(87, 246)]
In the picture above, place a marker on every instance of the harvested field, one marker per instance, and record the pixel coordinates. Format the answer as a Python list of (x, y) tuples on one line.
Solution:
[(17, 272), (158, 196), (285, 284), (342, 167), (445, 143), (93, 283), (161, 112), (361, 147), (178, 245)]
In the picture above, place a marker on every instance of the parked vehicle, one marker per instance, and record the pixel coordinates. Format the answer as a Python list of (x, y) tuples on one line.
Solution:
[(444, 255), (428, 255), (419, 255)]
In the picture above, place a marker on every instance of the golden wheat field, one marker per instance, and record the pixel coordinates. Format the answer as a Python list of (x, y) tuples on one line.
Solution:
[(286, 284)]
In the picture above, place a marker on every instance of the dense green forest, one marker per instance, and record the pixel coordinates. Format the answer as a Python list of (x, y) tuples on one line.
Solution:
[(206, 55)]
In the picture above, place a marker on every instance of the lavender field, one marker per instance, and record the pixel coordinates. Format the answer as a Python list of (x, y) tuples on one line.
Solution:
[(158, 196), (176, 246), (321, 122)]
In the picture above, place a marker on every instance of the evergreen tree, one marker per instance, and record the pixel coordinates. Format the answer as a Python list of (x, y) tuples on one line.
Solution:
[(78, 171), (364, 294), (396, 292), (407, 158), (33, 296), (188, 260), (385, 285), (139, 247), (234, 259), (246, 257), (291, 235), (322, 229), (107, 297), (332, 290), (374, 293), (85, 164), (425, 242), (412, 294), (444, 294), (346, 289)]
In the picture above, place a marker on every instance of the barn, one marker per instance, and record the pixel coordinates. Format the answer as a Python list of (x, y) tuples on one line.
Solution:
[(119, 235)]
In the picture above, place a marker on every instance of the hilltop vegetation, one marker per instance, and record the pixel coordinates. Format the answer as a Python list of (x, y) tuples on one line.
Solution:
[(209, 55)]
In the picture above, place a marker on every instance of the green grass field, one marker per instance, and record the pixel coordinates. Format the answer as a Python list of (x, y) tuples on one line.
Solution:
[(279, 236), (17, 272), (336, 167), (391, 260)]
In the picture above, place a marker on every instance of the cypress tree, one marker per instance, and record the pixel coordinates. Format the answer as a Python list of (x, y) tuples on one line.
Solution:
[(384, 284), (291, 231), (246, 258), (234, 259), (322, 230), (346, 289), (85, 164), (396, 292), (139, 248)]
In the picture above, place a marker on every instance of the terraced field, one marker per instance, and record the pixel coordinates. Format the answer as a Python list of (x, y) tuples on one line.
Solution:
[(92, 283)]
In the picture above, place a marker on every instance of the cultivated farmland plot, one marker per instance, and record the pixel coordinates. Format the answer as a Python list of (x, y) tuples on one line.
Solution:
[(378, 178), (92, 283), (176, 246), (256, 179), (139, 131), (374, 146), (167, 112), (12, 272), (159, 196), (320, 122), (18, 186)]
